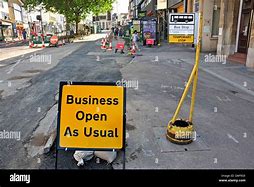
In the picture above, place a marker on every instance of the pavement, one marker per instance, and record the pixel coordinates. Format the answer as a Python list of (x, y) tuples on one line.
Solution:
[(15, 51), (4, 44), (222, 119)]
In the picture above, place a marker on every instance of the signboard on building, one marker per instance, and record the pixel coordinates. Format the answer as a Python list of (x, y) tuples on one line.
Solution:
[(181, 28), (136, 25), (91, 116), (141, 14), (161, 4)]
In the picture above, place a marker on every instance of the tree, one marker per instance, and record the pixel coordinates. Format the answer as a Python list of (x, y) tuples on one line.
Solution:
[(73, 10)]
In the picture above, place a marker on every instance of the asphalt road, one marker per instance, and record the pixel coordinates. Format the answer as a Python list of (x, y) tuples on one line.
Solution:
[(19, 107), (223, 115)]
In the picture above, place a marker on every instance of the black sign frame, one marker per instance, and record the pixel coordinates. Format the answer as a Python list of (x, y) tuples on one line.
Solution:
[(64, 83)]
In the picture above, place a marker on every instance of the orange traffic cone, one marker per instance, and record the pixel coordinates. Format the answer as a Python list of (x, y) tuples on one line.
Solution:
[(133, 49), (31, 44), (43, 44), (102, 41), (110, 46), (103, 45)]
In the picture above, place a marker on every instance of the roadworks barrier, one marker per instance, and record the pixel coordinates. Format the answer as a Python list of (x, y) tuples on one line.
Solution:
[(120, 46)]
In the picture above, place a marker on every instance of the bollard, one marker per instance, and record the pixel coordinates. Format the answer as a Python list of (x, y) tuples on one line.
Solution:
[(180, 132)]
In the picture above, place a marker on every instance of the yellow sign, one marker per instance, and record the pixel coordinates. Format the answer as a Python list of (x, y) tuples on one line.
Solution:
[(91, 116), (181, 38)]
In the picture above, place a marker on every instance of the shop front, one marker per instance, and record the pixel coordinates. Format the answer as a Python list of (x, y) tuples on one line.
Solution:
[(250, 40), (236, 31), (244, 31), (1, 32), (6, 32)]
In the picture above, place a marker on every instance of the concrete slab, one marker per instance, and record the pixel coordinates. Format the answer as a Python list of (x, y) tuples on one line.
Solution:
[(166, 146)]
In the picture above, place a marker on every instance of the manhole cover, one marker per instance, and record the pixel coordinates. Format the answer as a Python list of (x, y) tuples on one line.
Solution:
[(166, 146)]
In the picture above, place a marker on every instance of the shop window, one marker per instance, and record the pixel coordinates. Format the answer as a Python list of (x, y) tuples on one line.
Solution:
[(196, 6), (216, 19), (247, 4), (5, 16)]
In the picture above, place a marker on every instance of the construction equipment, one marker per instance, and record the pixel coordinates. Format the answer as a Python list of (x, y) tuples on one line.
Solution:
[(120, 46)]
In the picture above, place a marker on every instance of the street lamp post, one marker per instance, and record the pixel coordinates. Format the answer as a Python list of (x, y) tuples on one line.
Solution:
[(42, 30)]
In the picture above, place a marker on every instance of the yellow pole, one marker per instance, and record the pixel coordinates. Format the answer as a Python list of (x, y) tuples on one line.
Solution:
[(184, 93), (194, 73), (195, 81)]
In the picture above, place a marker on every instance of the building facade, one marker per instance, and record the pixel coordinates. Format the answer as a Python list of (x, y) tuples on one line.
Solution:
[(104, 21), (6, 24), (131, 9), (14, 19), (228, 27), (236, 33)]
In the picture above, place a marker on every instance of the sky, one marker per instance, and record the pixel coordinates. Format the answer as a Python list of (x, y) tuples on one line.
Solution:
[(121, 6)]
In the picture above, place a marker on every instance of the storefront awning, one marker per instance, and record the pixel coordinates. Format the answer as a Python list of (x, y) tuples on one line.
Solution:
[(4, 23)]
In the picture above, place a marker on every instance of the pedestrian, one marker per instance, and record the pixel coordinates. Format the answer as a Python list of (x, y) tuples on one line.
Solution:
[(24, 33), (110, 37), (135, 39), (116, 31), (121, 32), (72, 32)]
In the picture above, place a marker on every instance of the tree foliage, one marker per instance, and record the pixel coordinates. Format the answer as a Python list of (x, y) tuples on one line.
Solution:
[(73, 10)]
